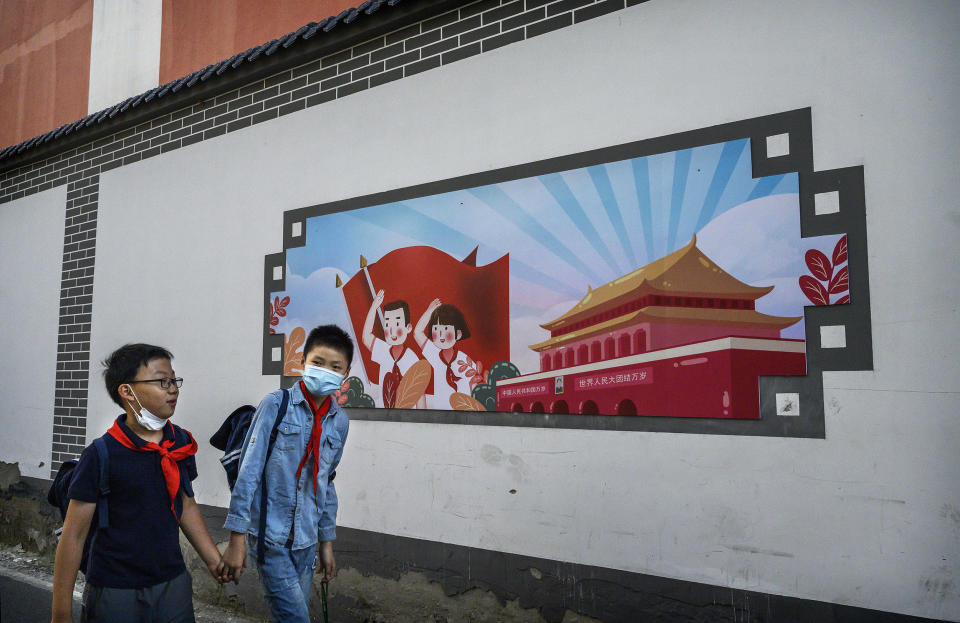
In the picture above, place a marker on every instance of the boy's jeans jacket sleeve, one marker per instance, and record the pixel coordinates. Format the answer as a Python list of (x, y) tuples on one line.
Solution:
[(288, 501)]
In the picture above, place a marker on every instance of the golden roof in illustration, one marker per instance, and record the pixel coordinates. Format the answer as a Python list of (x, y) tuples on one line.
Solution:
[(732, 318), (685, 272)]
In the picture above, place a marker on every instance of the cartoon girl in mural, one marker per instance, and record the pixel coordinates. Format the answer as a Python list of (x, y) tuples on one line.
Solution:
[(447, 327)]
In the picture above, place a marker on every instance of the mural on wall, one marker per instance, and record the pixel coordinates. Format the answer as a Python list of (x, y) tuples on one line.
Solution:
[(661, 285)]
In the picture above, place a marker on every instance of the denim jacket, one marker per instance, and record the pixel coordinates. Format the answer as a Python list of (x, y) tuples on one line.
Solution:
[(289, 502)]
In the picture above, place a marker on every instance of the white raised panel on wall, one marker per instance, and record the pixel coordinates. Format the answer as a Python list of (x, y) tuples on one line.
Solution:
[(31, 255)]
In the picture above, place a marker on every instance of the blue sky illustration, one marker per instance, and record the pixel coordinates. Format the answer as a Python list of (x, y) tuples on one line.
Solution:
[(569, 230)]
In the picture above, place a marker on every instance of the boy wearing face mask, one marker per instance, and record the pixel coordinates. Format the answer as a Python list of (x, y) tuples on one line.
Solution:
[(301, 497), (135, 570)]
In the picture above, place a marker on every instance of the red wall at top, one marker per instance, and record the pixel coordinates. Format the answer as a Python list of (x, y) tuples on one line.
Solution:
[(197, 34), (44, 65)]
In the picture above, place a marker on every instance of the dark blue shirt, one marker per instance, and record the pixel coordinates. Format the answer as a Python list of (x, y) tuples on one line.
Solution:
[(141, 547)]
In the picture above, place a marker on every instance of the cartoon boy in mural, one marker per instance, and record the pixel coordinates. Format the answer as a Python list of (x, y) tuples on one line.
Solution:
[(390, 353), (447, 327)]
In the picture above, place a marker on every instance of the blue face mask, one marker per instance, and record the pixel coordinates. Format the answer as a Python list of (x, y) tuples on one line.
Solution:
[(321, 381)]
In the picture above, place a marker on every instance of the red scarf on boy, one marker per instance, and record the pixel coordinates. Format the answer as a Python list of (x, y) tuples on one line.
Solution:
[(313, 445), (168, 458)]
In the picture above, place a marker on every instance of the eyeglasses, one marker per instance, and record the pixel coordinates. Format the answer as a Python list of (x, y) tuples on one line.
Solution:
[(164, 383)]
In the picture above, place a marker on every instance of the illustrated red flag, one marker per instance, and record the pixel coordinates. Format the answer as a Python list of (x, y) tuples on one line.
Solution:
[(420, 274)]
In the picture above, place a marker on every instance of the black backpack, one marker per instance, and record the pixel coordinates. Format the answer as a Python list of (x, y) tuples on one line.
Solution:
[(57, 495), (229, 438)]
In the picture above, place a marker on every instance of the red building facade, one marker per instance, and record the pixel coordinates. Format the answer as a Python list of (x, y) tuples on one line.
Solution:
[(678, 337)]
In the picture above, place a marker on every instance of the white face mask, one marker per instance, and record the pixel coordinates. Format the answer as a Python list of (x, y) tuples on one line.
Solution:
[(146, 419)]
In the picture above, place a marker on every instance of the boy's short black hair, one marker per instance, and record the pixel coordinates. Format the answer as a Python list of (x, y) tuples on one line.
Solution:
[(399, 304), (333, 336), (122, 365)]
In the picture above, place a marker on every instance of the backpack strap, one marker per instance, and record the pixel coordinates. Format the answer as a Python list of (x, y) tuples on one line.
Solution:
[(103, 482), (261, 547)]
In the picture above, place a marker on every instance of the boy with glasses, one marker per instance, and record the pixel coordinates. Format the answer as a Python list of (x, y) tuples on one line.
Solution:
[(135, 570), (300, 501)]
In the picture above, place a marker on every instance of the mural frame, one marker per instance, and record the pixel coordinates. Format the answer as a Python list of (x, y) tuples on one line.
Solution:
[(790, 406)]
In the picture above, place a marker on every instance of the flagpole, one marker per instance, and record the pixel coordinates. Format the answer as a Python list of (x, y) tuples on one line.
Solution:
[(363, 368), (373, 293)]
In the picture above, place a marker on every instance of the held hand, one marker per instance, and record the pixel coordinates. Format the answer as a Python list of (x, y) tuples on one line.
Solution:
[(379, 299), (234, 561), (216, 570), (328, 565), (435, 303)]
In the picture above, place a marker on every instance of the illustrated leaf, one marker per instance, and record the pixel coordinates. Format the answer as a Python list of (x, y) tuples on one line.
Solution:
[(819, 265), (840, 251), (840, 282), (276, 302), (470, 373), (272, 332), (291, 351), (281, 312), (843, 299), (391, 380), (285, 301), (462, 402), (413, 384), (274, 321), (814, 290)]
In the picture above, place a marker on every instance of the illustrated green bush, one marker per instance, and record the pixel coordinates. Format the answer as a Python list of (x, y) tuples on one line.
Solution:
[(486, 393), (355, 395)]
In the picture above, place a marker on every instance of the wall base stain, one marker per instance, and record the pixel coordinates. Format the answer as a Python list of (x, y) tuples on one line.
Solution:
[(413, 597), (26, 518), (390, 579)]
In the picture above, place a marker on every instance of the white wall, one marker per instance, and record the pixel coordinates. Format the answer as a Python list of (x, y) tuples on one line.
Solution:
[(124, 50), (870, 516), (31, 256)]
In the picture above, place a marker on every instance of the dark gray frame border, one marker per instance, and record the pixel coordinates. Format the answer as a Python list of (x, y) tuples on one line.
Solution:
[(851, 219)]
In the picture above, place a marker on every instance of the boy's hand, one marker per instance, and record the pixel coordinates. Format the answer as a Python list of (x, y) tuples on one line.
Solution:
[(328, 565), (216, 570), (234, 559)]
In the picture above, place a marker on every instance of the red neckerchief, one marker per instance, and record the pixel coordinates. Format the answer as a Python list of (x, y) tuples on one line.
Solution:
[(168, 458), (313, 446), (396, 362), (451, 377)]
